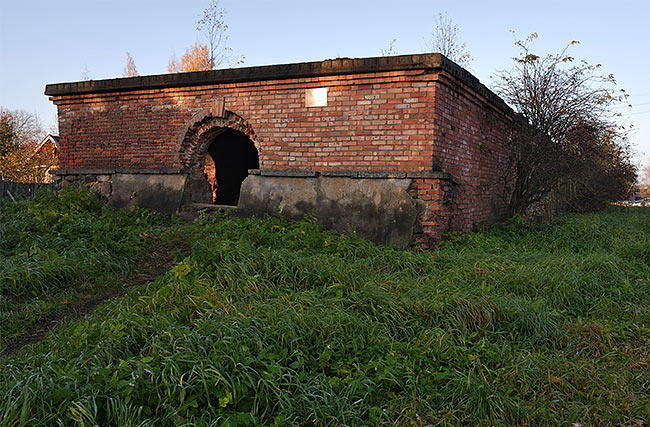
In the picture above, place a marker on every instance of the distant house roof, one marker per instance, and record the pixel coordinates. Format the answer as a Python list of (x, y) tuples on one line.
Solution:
[(53, 139)]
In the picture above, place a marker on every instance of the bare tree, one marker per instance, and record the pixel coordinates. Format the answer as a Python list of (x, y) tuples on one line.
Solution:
[(390, 51), (445, 39), (53, 128), (213, 53), (213, 26), (644, 179), (644, 176), (129, 69), (18, 128), (555, 92), (567, 135), (173, 65), (85, 75)]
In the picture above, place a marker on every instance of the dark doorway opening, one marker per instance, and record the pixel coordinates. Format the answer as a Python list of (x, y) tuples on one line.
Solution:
[(230, 155)]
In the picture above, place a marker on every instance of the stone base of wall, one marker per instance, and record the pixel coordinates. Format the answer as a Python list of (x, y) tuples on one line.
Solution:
[(373, 205), (385, 207), (160, 190)]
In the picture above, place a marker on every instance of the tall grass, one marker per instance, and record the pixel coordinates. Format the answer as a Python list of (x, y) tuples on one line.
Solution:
[(278, 323), (57, 247)]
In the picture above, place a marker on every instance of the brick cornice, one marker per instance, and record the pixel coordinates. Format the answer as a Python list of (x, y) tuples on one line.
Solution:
[(300, 173), (111, 171), (329, 67)]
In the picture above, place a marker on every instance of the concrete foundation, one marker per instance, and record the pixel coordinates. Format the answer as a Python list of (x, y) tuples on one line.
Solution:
[(377, 209), (158, 190)]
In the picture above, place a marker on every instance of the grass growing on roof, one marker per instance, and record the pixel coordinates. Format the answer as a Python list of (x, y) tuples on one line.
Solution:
[(282, 323)]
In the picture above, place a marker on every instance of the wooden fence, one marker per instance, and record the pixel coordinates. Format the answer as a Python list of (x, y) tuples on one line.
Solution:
[(19, 189)]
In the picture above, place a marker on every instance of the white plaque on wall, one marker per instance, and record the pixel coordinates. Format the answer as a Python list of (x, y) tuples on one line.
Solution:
[(316, 97)]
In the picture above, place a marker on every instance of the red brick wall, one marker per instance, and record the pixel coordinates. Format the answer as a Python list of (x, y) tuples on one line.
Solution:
[(408, 120), (378, 121), (469, 143)]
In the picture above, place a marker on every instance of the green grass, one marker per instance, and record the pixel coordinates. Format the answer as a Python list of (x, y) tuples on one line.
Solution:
[(58, 249), (277, 323)]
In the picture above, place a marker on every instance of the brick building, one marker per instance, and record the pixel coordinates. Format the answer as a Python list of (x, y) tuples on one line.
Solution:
[(392, 148)]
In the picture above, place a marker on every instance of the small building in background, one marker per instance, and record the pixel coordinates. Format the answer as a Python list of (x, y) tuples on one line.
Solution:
[(46, 158), (31, 162)]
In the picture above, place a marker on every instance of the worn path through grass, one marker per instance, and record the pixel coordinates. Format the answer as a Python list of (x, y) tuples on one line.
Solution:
[(159, 255), (63, 255), (270, 322)]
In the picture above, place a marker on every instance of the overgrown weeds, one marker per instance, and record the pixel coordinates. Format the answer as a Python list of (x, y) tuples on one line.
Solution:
[(58, 249), (272, 322)]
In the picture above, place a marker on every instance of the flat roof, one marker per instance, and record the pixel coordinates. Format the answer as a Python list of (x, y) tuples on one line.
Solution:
[(329, 67)]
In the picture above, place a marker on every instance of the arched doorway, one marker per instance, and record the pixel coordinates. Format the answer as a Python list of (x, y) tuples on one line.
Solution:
[(229, 156)]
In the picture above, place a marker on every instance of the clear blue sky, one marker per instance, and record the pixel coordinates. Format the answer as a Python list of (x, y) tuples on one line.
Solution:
[(49, 41)]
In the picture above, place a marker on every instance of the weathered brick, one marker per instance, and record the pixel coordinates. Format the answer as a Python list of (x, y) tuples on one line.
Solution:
[(376, 120)]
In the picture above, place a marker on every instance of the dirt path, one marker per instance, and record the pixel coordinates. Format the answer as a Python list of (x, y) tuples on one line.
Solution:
[(157, 259)]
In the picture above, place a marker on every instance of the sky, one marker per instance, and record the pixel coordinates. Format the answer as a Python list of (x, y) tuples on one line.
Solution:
[(52, 41)]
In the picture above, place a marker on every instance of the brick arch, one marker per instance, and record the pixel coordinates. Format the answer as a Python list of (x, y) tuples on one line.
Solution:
[(200, 132)]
